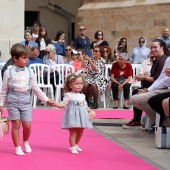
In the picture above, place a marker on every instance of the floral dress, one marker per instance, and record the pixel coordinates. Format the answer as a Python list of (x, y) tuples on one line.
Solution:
[(97, 76)]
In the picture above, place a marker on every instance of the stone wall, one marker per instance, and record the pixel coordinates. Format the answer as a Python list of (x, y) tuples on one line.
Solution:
[(11, 25), (130, 19)]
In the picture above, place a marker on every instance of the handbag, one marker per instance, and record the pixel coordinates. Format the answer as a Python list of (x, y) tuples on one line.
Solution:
[(91, 115), (120, 79), (162, 138), (4, 126)]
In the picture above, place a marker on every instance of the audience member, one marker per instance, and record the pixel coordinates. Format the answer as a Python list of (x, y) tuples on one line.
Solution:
[(82, 41), (69, 53), (95, 76), (28, 39), (43, 40), (160, 50), (107, 54), (140, 53), (36, 27), (122, 46), (59, 42), (165, 37), (33, 57), (51, 59), (99, 41), (120, 75)]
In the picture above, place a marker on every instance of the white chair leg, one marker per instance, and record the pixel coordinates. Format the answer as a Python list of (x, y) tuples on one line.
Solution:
[(148, 122), (157, 121), (35, 101)]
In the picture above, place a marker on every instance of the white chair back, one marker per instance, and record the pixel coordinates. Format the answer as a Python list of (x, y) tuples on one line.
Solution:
[(41, 70), (63, 70), (107, 71), (136, 69)]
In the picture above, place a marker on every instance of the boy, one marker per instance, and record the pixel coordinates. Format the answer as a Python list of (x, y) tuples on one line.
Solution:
[(17, 82)]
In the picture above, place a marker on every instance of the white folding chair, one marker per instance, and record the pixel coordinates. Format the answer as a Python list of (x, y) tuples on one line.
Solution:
[(1, 65), (135, 84), (63, 71), (39, 70), (107, 93)]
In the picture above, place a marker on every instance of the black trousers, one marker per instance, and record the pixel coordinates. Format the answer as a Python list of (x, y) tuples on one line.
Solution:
[(115, 91), (155, 103)]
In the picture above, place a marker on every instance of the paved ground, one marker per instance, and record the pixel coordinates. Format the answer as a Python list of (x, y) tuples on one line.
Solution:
[(142, 144)]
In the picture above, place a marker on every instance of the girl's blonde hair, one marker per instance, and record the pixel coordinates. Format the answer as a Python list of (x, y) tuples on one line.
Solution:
[(71, 78)]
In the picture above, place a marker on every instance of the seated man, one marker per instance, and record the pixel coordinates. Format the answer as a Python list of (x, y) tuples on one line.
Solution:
[(33, 58)]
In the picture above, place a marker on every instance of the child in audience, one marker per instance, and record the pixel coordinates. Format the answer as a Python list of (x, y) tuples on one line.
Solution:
[(77, 115), (17, 83)]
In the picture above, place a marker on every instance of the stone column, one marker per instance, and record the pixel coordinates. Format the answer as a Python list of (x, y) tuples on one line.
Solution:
[(11, 25)]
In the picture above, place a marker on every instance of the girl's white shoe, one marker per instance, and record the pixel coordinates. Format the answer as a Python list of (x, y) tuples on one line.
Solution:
[(78, 149), (73, 150), (27, 147)]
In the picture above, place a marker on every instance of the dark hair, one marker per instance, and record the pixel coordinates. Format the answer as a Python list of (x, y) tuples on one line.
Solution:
[(18, 50), (82, 51), (120, 48), (40, 36), (110, 53), (96, 34), (59, 33), (163, 44), (37, 23)]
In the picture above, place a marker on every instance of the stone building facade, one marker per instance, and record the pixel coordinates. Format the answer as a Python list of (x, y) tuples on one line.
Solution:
[(121, 18)]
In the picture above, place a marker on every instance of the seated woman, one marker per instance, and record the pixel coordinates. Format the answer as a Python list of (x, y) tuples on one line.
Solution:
[(28, 39), (95, 76), (107, 54), (120, 75), (78, 64), (51, 59)]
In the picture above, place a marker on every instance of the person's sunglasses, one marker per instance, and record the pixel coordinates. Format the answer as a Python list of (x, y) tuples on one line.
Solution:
[(95, 51), (152, 57), (68, 49), (141, 41), (78, 54), (82, 29), (48, 52), (105, 51), (35, 26)]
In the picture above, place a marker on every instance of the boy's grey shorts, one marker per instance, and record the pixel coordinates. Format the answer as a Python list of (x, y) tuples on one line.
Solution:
[(19, 105)]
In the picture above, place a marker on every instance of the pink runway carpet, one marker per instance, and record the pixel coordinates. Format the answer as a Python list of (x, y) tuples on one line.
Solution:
[(50, 149)]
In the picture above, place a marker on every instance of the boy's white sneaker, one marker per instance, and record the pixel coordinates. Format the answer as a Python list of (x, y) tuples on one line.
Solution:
[(18, 151), (73, 150), (27, 147), (78, 149)]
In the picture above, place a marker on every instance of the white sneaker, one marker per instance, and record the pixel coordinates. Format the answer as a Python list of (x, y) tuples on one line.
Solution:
[(73, 150), (27, 147), (78, 149)]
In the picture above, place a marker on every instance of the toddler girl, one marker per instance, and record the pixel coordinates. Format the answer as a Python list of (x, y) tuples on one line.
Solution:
[(77, 115)]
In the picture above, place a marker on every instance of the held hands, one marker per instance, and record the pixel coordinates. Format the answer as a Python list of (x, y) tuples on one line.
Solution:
[(51, 102), (120, 86)]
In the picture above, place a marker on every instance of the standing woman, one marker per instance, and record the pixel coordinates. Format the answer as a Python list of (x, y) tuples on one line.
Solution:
[(140, 53), (43, 41), (28, 39), (99, 41), (59, 42), (122, 46), (95, 76)]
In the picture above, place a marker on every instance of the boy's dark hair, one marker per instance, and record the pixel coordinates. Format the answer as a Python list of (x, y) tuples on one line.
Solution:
[(18, 50)]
